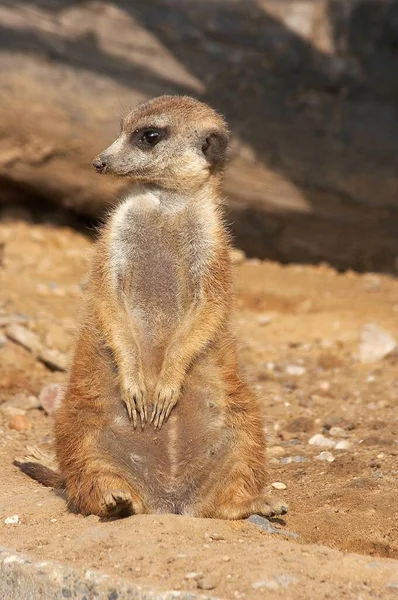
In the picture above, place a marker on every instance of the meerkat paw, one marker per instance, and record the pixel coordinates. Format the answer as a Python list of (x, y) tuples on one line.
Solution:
[(266, 506), (134, 398), (165, 399), (118, 503)]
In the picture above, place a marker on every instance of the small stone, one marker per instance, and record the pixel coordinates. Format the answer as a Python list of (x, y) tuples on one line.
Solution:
[(326, 456), (320, 440), (51, 397), (295, 370), (53, 359), (287, 460), (8, 410), (13, 520), (3, 340), (278, 485), (375, 343), (24, 402), (214, 537), (193, 575), (337, 432), (265, 320), (275, 452), (225, 558), (207, 583), (19, 423), (299, 459), (343, 445), (24, 337)]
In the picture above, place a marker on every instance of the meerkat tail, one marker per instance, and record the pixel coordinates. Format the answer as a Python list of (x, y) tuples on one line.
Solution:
[(44, 475), (32, 465)]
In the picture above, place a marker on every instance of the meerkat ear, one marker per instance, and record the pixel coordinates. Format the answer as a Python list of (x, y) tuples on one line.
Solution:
[(214, 147)]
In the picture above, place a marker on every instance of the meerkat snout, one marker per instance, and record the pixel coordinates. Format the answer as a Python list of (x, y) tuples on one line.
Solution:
[(171, 141), (99, 163)]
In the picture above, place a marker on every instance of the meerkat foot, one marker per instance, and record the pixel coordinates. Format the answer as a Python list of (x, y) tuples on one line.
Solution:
[(164, 401), (266, 506), (134, 398), (118, 503)]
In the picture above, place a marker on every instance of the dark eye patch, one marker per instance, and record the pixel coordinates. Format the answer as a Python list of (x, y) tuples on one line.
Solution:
[(147, 137)]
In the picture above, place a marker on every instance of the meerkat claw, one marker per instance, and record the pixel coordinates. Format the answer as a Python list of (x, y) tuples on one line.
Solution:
[(134, 400)]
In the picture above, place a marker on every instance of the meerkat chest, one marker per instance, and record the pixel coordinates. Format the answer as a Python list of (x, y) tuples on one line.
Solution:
[(157, 259)]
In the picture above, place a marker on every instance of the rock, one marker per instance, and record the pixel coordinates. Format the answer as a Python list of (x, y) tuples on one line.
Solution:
[(214, 537), (265, 319), (337, 432), (275, 452), (13, 520), (24, 402), (293, 459), (15, 318), (207, 583), (278, 485), (343, 445), (53, 359), (375, 343), (24, 337), (3, 340), (295, 370), (19, 423), (279, 581), (51, 397), (326, 456), (320, 440), (8, 410), (193, 575), (237, 256)]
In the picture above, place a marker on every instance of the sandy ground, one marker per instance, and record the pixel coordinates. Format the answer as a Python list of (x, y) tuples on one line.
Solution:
[(299, 330)]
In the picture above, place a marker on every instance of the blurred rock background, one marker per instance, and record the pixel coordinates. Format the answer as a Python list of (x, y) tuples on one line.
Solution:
[(309, 87)]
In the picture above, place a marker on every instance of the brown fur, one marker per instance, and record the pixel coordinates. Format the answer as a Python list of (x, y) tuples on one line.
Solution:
[(156, 417)]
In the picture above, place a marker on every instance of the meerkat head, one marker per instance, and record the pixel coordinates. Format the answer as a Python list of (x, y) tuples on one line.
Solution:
[(171, 141)]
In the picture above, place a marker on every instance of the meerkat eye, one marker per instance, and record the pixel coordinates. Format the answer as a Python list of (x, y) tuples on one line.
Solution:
[(150, 137)]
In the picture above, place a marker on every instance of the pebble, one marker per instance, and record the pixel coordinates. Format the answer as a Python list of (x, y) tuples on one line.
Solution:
[(279, 581), (50, 397), (193, 575), (275, 452), (225, 558), (295, 370), (207, 583), (265, 319), (24, 337), (343, 445), (278, 485), (337, 432), (19, 423), (11, 411), (214, 537), (375, 343), (3, 340), (13, 520), (24, 402), (320, 440), (293, 459), (53, 359), (326, 456)]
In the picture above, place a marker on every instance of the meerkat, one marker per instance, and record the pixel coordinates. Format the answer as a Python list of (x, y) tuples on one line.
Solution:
[(156, 417)]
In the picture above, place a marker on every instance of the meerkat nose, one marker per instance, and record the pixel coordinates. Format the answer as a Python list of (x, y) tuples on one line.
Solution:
[(99, 163)]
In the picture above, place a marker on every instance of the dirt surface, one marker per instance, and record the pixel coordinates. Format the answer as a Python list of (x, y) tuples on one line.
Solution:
[(299, 329)]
